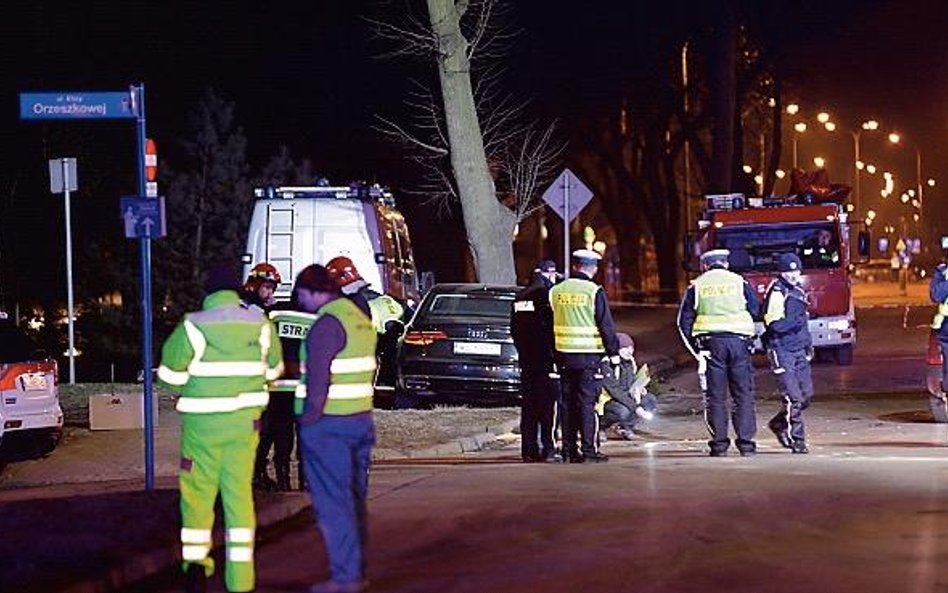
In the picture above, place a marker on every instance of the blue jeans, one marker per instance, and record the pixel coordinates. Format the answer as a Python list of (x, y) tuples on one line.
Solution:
[(337, 452)]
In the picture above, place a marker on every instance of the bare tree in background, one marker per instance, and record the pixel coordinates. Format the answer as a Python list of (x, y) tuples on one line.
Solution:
[(471, 139)]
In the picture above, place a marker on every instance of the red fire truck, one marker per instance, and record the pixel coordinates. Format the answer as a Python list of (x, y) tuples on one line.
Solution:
[(756, 230)]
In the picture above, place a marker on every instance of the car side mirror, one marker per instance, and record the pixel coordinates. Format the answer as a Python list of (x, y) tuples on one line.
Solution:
[(380, 258)]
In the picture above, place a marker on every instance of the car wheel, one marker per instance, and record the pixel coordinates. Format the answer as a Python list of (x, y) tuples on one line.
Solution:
[(47, 441), (405, 399), (939, 407), (844, 355)]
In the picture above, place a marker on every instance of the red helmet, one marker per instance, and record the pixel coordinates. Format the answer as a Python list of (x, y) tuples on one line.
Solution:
[(344, 273), (263, 272)]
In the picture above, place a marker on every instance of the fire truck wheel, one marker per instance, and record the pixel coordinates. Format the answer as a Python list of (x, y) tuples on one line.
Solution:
[(844, 355)]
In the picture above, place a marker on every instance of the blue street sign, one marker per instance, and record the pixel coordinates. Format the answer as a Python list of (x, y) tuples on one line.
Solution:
[(77, 105), (144, 218)]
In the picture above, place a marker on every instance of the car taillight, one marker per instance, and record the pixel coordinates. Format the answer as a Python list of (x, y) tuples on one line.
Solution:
[(934, 352), (423, 338)]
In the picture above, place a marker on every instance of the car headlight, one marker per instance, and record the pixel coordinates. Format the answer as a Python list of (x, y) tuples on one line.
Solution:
[(839, 324)]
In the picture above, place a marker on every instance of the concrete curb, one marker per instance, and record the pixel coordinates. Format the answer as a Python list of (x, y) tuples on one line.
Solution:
[(127, 573)]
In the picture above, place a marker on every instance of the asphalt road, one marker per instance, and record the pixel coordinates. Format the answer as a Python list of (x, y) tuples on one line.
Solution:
[(865, 512)]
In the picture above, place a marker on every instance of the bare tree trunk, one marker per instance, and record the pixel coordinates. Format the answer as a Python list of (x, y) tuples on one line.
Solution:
[(770, 176), (725, 97), (489, 224)]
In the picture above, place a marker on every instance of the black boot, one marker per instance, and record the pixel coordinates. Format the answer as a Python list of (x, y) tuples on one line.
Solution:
[(195, 579)]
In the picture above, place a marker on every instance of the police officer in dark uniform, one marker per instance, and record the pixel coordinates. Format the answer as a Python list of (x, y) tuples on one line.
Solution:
[(716, 321), (583, 332), (531, 326), (789, 348)]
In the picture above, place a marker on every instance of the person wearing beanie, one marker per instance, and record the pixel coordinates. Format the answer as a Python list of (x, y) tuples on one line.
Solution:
[(219, 360), (624, 400), (583, 332), (789, 349), (334, 414), (531, 326), (716, 323)]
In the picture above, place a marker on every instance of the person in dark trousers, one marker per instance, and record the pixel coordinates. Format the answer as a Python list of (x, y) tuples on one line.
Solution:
[(789, 349), (334, 413), (257, 295), (716, 322), (531, 326), (583, 332), (291, 325), (622, 405), (938, 292)]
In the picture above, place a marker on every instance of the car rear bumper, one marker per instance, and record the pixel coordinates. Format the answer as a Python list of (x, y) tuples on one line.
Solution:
[(453, 388), (832, 331), (47, 419)]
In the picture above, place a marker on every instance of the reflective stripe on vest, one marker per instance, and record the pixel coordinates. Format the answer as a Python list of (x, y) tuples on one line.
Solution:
[(201, 368), (574, 316), (210, 405), (721, 304), (292, 325), (352, 371), (384, 309)]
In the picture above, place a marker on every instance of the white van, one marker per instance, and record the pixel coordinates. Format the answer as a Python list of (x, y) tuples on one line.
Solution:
[(293, 227)]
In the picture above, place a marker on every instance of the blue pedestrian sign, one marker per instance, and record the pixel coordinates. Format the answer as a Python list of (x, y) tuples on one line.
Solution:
[(144, 218), (77, 105)]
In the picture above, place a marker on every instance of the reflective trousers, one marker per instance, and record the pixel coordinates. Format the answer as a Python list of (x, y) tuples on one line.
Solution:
[(792, 371), (337, 452), (730, 367), (217, 456), (539, 394)]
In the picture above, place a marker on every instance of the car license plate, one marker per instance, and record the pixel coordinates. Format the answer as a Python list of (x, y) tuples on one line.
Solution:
[(485, 348), (33, 381)]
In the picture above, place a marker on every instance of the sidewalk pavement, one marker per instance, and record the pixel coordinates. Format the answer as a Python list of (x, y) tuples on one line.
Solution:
[(80, 520)]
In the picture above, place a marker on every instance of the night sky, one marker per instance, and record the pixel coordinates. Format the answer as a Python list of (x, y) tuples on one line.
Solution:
[(305, 74)]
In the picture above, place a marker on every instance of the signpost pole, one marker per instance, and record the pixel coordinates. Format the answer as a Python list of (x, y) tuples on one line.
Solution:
[(64, 163), (566, 221), (138, 100)]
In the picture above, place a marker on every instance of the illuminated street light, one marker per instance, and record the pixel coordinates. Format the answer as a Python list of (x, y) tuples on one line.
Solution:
[(871, 214), (793, 108), (931, 182), (870, 125), (911, 193), (780, 173), (759, 179), (883, 193), (850, 207), (871, 169), (830, 126), (771, 102), (747, 168), (860, 165), (822, 117), (916, 204), (905, 198), (915, 217), (800, 127), (819, 161), (894, 138), (886, 175)]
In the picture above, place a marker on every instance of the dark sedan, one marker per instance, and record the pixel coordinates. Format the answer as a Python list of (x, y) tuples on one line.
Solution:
[(458, 349)]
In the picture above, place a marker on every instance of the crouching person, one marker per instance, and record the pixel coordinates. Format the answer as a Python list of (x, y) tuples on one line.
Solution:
[(624, 401)]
